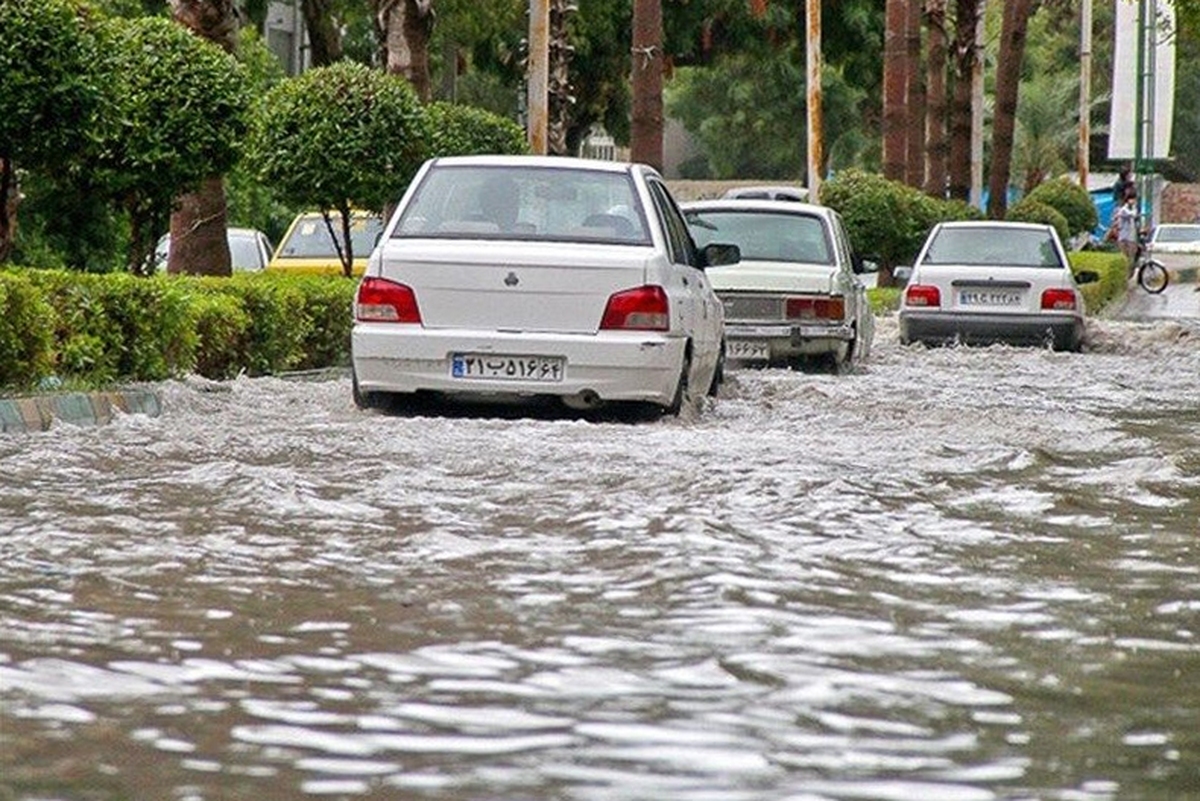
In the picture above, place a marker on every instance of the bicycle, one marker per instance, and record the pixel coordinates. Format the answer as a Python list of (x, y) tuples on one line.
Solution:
[(1151, 274)]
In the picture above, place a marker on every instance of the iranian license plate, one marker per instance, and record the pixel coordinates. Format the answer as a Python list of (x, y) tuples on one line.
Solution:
[(990, 297), (514, 368), (748, 349)]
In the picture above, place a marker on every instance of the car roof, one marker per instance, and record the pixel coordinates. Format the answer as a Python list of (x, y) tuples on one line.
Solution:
[(994, 224), (782, 189), (757, 204), (571, 162)]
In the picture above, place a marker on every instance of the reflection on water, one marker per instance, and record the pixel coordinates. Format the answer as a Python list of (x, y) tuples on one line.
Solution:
[(955, 574)]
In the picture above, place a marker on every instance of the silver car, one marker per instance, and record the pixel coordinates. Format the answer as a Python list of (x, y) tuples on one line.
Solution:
[(511, 278), (796, 296), (993, 282)]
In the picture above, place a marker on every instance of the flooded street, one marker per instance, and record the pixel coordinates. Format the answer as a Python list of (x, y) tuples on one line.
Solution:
[(953, 574)]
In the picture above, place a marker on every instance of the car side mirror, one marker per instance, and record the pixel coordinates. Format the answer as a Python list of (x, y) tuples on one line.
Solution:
[(716, 254), (1087, 277), (863, 264)]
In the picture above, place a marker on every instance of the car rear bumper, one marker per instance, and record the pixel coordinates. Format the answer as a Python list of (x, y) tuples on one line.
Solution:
[(785, 341), (618, 366), (1064, 331)]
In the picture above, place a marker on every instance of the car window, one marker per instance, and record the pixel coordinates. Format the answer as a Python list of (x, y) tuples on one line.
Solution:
[(764, 235), (244, 253), (310, 237), (993, 247), (1177, 233), (683, 247), (555, 204)]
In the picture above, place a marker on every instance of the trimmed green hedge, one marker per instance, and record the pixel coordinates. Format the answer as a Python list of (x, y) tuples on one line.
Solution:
[(101, 329)]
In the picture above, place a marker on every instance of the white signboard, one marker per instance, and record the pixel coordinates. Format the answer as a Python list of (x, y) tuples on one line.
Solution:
[(1157, 84)]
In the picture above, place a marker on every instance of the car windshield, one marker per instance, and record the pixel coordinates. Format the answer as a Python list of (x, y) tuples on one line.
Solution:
[(981, 246), (534, 204), (764, 235), (309, 238), (1177, 233)]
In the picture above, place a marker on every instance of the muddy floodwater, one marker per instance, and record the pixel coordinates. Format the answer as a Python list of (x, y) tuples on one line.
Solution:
[(952, 574)]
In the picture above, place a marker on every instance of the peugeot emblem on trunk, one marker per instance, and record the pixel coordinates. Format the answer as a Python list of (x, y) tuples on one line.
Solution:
[(511, 279)]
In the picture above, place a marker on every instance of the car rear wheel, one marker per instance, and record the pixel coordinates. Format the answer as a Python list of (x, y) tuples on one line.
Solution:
[(718, 374), (362, 399), (682, 390)]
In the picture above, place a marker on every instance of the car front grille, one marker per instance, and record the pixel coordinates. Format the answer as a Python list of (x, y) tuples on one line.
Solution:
[(752, 307)]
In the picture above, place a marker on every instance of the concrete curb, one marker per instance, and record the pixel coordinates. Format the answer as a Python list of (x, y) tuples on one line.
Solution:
[(78, 408)]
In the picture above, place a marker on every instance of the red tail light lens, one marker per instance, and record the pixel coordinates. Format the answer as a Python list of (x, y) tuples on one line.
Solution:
[(644, 308), (382, 301), (922, 295), (833, 308), (1059, 300)]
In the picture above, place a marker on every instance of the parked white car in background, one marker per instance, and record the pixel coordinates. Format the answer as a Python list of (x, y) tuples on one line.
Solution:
[(795, 297), (1175, 245), (989, 282), (249, 250), (510, 278)]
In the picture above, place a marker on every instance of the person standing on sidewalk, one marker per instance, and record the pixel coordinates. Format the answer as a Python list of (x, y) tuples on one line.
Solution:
[(1126, 220)]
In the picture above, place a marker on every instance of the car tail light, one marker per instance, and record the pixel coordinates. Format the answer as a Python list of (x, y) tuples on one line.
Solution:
[(1059, 300), (922, 295), (833, 308), (382, 301), (644, 308)]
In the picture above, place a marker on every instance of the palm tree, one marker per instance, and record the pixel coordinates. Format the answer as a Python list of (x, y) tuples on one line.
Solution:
[(406, 27), (1044, 144), (967, 16), (895, 90), (937, 147), (646, 125), (1008, 77), (198, 242)]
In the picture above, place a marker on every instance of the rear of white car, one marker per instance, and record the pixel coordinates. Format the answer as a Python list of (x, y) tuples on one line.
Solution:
[(992, 282), (570, 290), (794, 297)]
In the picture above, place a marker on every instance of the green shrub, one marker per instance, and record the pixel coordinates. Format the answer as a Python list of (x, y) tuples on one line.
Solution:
[(222, 327), (26, 332), (328, 310), (459, 130), (1029, 210), (1111, 267), (1071, 200), (888, 219)]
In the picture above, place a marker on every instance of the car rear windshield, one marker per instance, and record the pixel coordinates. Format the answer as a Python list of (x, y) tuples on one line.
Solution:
[(527, 203), (310, 238), (993, 247), (764, 235)]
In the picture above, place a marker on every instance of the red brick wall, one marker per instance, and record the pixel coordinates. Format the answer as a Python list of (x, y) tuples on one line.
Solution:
[(1181, 203)]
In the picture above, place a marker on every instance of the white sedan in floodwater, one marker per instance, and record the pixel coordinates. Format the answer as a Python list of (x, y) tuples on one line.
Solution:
[(993, 282), (517, 278), (796, 296)]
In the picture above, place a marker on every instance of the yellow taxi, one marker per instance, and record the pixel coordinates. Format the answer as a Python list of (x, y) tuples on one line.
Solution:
[(307, 247)]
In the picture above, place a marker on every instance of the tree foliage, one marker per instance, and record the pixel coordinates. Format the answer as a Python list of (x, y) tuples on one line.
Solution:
[(1070, 200), (458, 130), (174, 112), (340, 137)]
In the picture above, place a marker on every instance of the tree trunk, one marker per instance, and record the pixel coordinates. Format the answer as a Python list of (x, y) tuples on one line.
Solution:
[(10, 198), (324, 39), (407, 26), (646, 128), (967, 15), (895, 90), (935, 99), (915, 104), (1004, 119), (199, 245)]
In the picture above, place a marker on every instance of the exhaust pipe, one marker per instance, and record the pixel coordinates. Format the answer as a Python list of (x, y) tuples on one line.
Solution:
[(583, 400)]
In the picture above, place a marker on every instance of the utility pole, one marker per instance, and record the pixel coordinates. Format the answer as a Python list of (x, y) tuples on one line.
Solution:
[(815, 122), (538, 77), (1085, 93)]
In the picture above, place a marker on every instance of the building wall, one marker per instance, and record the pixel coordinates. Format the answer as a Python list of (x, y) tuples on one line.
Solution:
[(1181, 203)]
